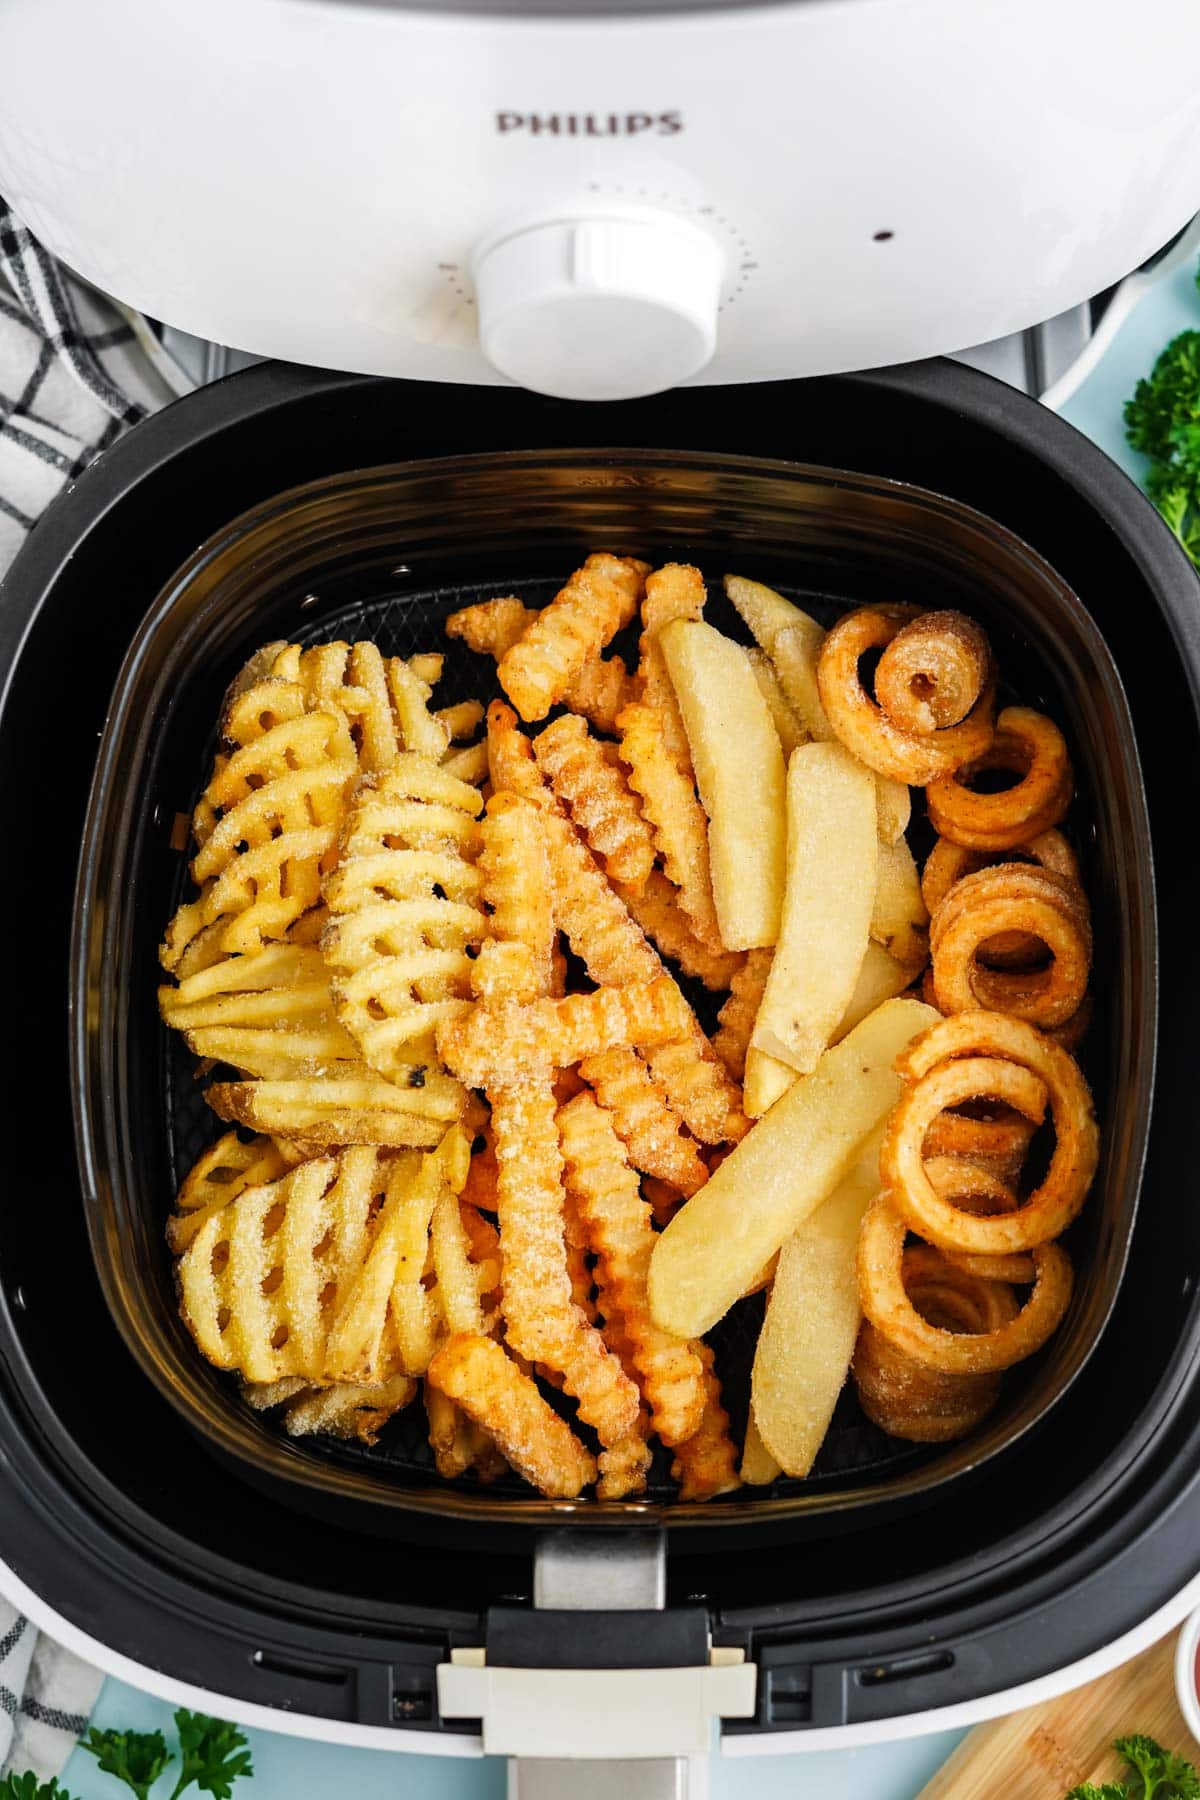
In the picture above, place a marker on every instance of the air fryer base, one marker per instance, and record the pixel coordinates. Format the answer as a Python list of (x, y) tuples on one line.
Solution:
[(1072, 1559), (465, 1744)]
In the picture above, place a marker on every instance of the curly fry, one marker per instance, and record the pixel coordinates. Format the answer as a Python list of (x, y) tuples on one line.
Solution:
[(618, 1225), (498, 1038), (583, 616), (643, 1119), (476, 1374), (659, 913), (735, 1021), (598, 798), (615, 952), (543, 1323), (676, 817), (707, 1464)]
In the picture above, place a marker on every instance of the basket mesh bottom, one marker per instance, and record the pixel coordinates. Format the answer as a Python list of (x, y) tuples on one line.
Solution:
[(401, 625)]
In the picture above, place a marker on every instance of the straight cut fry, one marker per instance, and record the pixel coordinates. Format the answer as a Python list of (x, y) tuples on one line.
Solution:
[(740, 773), (812, 1321), (716, 1244), (832, 848)]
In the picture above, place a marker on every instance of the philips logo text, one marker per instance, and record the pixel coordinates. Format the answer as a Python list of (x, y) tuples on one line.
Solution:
[(664, 124)]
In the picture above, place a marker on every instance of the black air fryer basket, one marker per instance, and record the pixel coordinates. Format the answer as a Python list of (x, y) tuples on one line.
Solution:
[(140, 1498)]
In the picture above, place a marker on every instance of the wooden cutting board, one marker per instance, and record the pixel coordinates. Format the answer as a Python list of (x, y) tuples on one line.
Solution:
[(1042, 1753)]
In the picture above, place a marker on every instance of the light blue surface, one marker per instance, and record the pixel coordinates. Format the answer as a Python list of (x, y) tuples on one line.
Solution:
[(301, 1770)]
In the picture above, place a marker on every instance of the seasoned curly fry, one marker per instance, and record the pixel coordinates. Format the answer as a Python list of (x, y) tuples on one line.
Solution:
[(515, 869), (616, 953), (476, 1374), (498, 1039), (599, 691), (735, 1021), (707, 1464), (675, 815), (660, 915), (600, 801), (583, 616), (618, 1224), (643, 1119), (543, 1323)]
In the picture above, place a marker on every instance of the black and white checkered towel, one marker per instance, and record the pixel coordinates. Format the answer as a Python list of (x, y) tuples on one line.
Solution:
[(74, 372), (73, 375)]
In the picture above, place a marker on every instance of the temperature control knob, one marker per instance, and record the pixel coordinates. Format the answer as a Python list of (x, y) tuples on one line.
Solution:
[(603, 308)]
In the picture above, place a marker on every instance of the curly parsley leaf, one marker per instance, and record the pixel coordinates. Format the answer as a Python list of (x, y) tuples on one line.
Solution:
[(1162, 420), (27, 1787), (137, 1758), (214, 1754), (1164, 1776)]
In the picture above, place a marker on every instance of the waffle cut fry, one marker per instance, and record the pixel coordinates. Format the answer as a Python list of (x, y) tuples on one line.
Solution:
[(598, 692), (267, 824), (404, 910), (268, 1014), (583, 617), (352, 678), (593, 788), (263, 1279), (343, 1410), (619, 1231), (224, 1171)]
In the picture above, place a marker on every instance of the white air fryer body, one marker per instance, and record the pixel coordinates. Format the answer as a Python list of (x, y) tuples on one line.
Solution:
[(624, 199)]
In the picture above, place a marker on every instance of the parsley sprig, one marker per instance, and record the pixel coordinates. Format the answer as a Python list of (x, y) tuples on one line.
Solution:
[(212, 1756), (26, 1786), (1162, 420), (1154, 1774)]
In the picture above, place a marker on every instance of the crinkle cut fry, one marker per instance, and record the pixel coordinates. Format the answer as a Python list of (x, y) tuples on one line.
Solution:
[(599, 691), (495, 1040), (659, 913), (618, 1225), (615, 952), (643, 1119), (735, 1021), (543, 1323), (476, 1374), (597, 600), (516, 888), (676, 591), (593, 788), (674, 813), (707, 1464)]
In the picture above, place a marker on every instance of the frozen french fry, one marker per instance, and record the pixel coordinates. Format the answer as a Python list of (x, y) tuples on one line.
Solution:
[(812, 1321), (717, 1242), (831, 862), (740, 773)]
